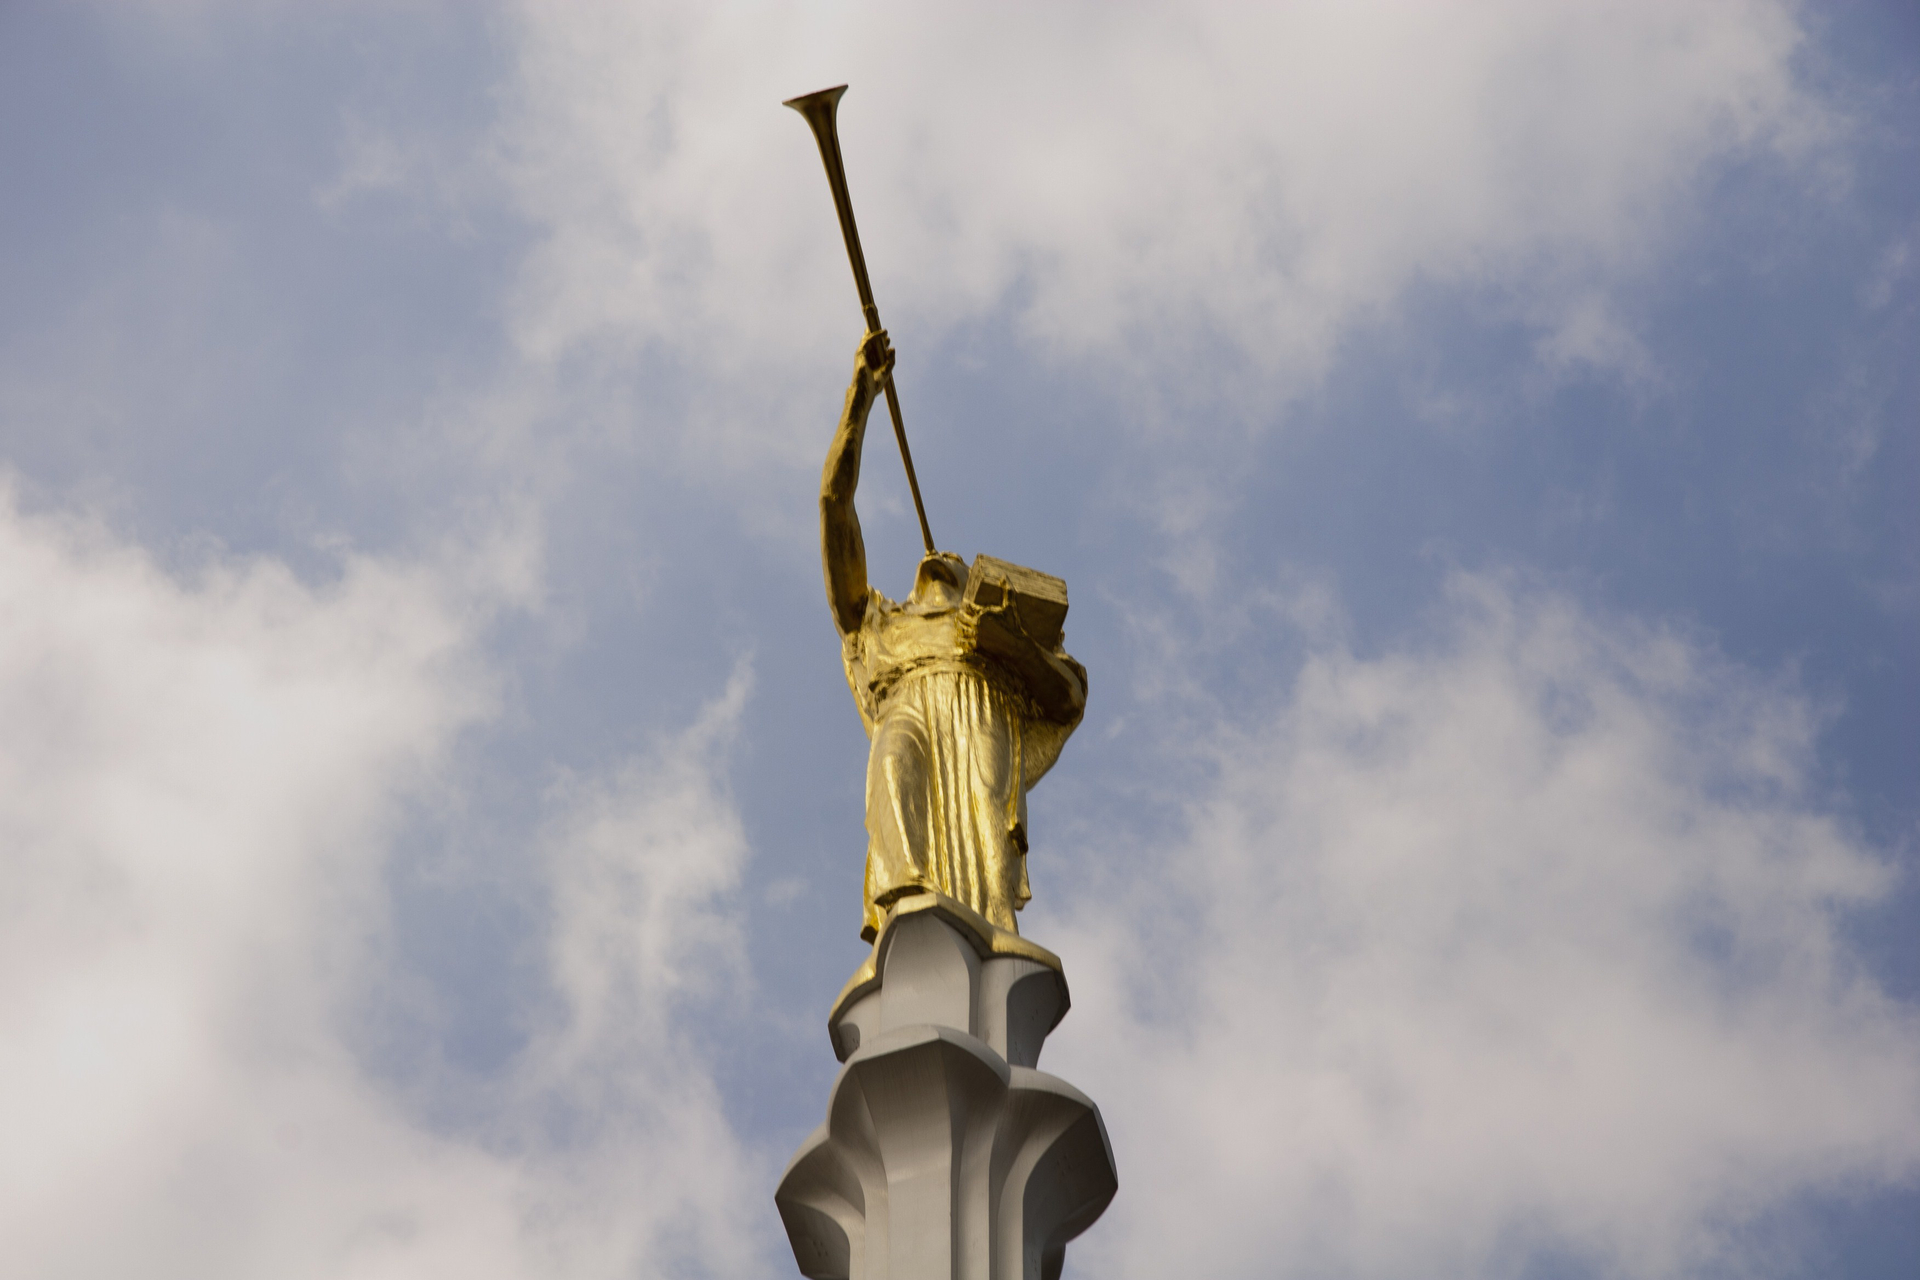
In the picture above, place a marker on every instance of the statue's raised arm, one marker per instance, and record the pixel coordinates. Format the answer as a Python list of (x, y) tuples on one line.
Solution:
[(843, 552)]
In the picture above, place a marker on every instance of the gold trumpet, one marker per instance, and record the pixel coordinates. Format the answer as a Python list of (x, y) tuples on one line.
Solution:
[(819, 109)]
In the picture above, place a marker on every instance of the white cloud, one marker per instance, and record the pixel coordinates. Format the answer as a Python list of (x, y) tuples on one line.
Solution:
[(1530, 939), (1154, 183), (199, 784), (646, 860)]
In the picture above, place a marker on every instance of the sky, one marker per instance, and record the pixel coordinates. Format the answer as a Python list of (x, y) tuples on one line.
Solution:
[(1481, 441)]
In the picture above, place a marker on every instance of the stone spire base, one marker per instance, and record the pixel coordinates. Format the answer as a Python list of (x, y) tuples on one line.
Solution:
[(946, 1155)]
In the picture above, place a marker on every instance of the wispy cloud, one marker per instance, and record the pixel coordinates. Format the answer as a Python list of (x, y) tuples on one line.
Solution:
[(200, 784), (1143, 187), (1527, 938)]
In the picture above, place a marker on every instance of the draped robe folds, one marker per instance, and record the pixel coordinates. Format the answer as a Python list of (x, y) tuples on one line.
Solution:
[(957, 743)]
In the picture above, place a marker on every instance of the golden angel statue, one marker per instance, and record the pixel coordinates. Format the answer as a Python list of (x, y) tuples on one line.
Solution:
[(964, 688)]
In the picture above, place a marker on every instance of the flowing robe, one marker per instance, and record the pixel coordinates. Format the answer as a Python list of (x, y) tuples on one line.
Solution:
[(957, 743)]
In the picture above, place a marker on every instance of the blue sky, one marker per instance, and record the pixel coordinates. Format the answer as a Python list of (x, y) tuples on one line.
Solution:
[(1480, 440)]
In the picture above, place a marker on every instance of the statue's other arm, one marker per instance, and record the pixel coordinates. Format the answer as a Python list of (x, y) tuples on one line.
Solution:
[(1057, 684), (1070, 686), (843, 553)]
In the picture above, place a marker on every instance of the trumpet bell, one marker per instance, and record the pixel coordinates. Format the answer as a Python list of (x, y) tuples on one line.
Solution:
[(818, 108)]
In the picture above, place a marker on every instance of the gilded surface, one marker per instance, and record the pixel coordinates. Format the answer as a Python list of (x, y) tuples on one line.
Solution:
[(966, 711)]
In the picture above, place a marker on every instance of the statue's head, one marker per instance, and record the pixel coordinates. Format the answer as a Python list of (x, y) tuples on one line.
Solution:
[(941, 581)]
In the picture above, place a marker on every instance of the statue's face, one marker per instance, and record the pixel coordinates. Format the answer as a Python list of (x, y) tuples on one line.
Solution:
[(941, 582)]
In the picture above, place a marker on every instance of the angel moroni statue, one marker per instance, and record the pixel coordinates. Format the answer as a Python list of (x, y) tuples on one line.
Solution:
[(964, 689), (946, 1154)]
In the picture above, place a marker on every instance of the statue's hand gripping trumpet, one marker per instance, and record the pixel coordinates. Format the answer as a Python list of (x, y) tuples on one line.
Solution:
[(964, 689)]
